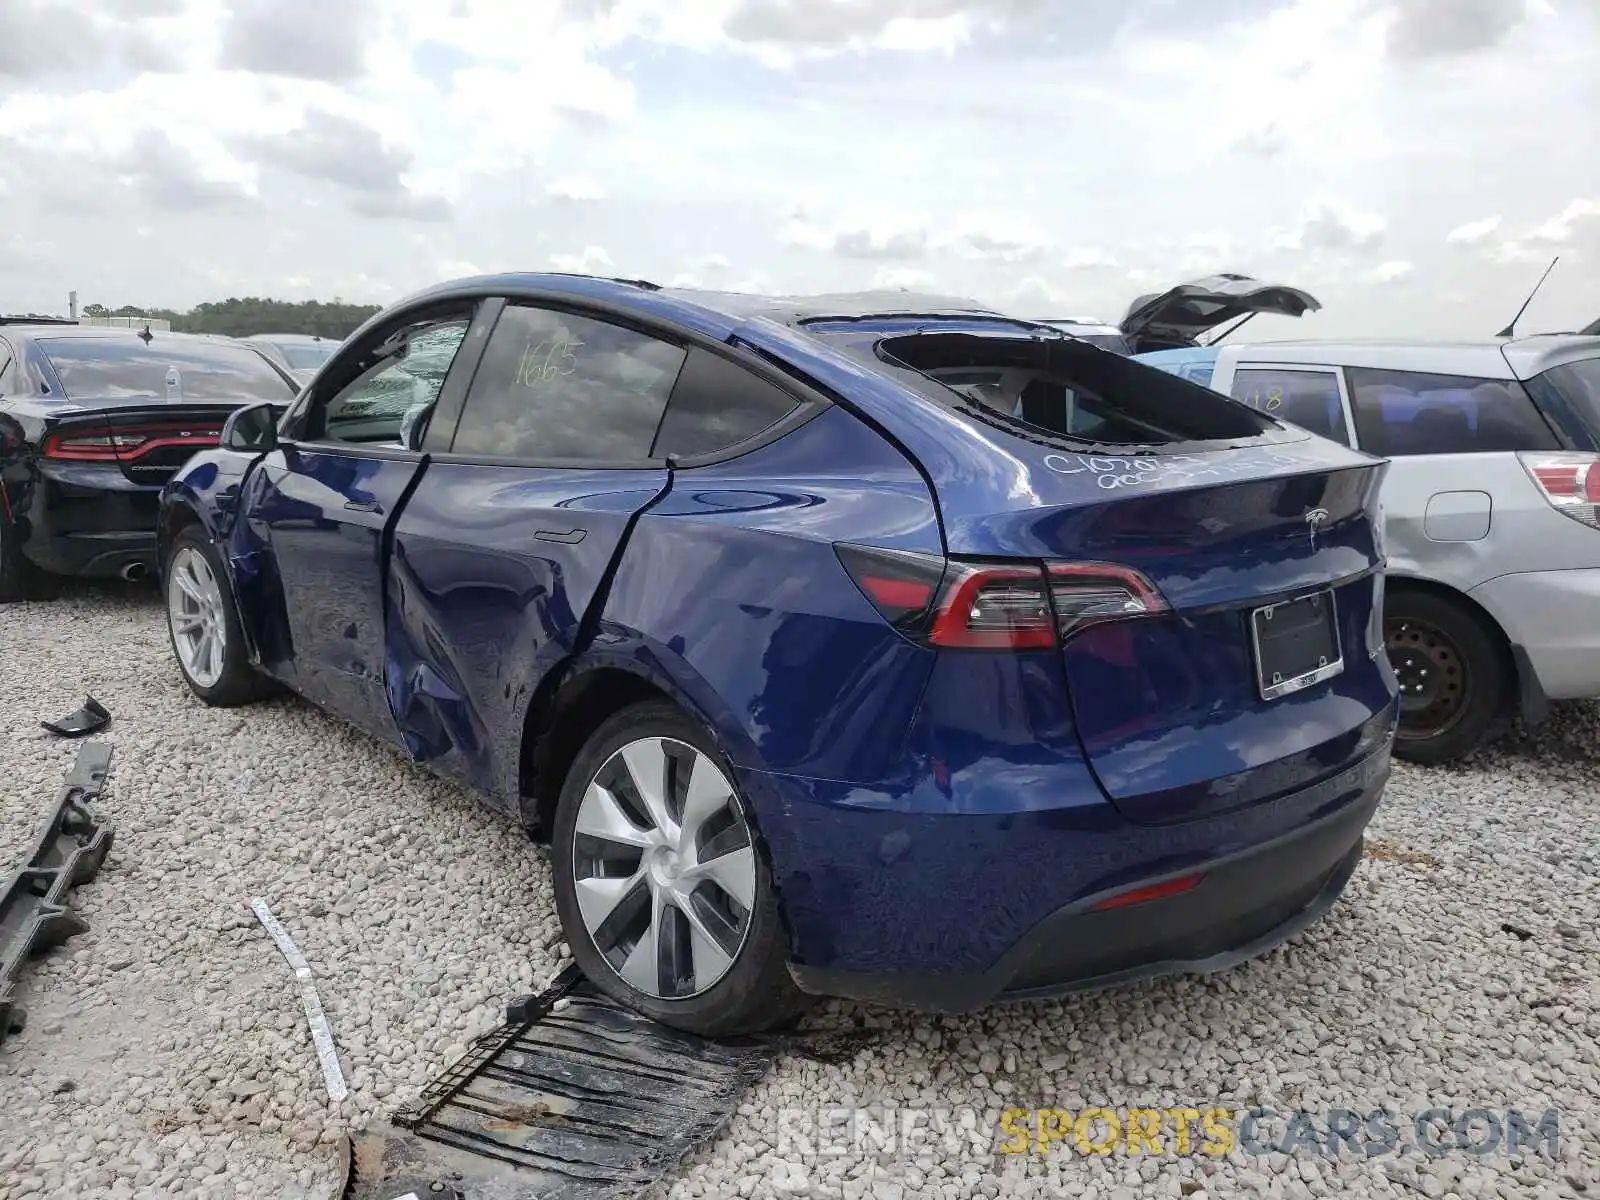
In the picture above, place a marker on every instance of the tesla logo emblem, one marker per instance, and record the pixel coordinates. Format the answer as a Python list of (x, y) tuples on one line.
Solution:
[(1315, 520)]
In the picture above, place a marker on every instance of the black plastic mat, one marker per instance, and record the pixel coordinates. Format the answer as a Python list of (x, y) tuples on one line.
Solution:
[(575, 1098), (68, 851)]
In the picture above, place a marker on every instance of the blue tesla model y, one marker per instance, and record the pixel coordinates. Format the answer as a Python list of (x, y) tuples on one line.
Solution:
[(876, 646)]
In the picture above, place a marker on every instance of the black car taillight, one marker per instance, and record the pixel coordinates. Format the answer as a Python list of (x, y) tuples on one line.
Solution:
[(996, 606)]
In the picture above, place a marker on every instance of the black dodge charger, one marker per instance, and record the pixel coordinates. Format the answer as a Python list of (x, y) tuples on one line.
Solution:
[(92, 422)]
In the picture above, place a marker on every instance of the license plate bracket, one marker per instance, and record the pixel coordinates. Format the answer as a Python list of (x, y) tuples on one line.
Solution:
[(1296, 644)]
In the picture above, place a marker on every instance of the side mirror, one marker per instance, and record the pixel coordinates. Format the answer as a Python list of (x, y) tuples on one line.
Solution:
[(253, 430)]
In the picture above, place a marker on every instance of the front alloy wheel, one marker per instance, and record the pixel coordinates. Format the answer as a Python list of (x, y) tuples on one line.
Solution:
[(664, 868), (195, 613), (205, 634)]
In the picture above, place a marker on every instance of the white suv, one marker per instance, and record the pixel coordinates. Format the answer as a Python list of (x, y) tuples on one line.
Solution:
[(1492, 510)]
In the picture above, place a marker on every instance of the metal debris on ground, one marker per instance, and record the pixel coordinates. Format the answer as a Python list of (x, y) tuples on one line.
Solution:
[(91, 718), (321, 1034), (586, 1101), (68, 851)]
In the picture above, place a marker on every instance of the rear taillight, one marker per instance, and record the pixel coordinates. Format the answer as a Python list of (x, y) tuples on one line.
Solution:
[(1084, 594), (128, 444), (1570, 482), (995, 606)]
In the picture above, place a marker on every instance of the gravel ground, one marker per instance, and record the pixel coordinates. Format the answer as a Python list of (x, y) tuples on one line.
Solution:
[(166, 1053)]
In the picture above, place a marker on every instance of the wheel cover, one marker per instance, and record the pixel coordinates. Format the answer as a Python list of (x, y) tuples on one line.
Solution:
[(664, 868), (195, 616), (1435, 684)]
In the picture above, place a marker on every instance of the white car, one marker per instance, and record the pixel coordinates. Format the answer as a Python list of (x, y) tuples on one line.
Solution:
[(1492, 510)]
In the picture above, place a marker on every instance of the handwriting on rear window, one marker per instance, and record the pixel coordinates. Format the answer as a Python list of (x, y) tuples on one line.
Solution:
[(1165, 469), (546, 361), (1270, 400)]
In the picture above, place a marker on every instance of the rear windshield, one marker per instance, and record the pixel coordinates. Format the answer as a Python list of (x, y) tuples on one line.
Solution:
[(304, 356), (1579, 382), (92, 368), (1073, 391)]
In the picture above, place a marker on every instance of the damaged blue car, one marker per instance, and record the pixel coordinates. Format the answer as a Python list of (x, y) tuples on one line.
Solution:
[(877, 646)]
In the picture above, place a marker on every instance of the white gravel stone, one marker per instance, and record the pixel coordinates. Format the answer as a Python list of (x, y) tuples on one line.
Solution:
[(167, 1053)]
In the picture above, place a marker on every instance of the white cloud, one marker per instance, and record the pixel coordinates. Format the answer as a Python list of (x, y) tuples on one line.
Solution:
[(1331, 225), (1561, 229), (576, 189), (904, 279), (591, 260), (1473, 232), (1084, 153), (1390, 272)]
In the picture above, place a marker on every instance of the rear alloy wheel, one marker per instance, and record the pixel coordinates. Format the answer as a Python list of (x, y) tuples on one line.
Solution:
[(662, 888), (204, 630), (1451, 673)]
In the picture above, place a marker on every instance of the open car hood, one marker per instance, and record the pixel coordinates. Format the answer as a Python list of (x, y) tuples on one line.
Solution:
[(1175, 319)]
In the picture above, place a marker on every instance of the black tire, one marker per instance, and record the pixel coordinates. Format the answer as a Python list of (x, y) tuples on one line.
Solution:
[(757, 992), (21, 579), (239, 682), (1454, 675)]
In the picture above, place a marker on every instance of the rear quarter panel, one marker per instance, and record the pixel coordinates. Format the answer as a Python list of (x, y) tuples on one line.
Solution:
[(730, 587)]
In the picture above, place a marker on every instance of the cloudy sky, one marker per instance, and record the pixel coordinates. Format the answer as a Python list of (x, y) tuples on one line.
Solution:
[(1413, 163)]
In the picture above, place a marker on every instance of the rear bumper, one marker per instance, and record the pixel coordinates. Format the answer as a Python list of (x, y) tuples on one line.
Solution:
[(1551, 616), (1249, 900), (90, 521)]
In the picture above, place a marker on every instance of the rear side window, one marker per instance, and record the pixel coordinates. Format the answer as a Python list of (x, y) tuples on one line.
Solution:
[(1309, 399), (117, 368), (716, 405), (303, 356), (555, 386), (1579, 382), (1402, 413)]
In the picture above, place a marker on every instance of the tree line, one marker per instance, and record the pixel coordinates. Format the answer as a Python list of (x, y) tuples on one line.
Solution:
[(240, 317)]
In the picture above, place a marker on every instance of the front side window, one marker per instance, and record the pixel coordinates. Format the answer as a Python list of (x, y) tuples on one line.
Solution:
[(383, 403), (168, 368), (553, 386), (1309, 399), (1402, 413)]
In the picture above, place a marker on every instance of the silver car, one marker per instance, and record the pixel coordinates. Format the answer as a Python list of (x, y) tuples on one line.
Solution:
[(1492, 510), (301, 354)]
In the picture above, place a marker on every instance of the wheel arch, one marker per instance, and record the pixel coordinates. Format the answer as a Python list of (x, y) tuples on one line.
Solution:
[(1524, 691), (580, 693)]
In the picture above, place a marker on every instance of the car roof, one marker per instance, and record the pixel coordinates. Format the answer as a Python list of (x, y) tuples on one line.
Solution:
[(712, 312), (293, 339), (1521, 359), (93, 331)]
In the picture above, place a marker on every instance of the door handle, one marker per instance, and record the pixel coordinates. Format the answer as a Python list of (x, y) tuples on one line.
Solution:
[(371, 506), (571, 538)]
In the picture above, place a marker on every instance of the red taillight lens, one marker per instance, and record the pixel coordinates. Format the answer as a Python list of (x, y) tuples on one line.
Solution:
[(1144, 895), (126, 444), (1570, 482), (996, 606)]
